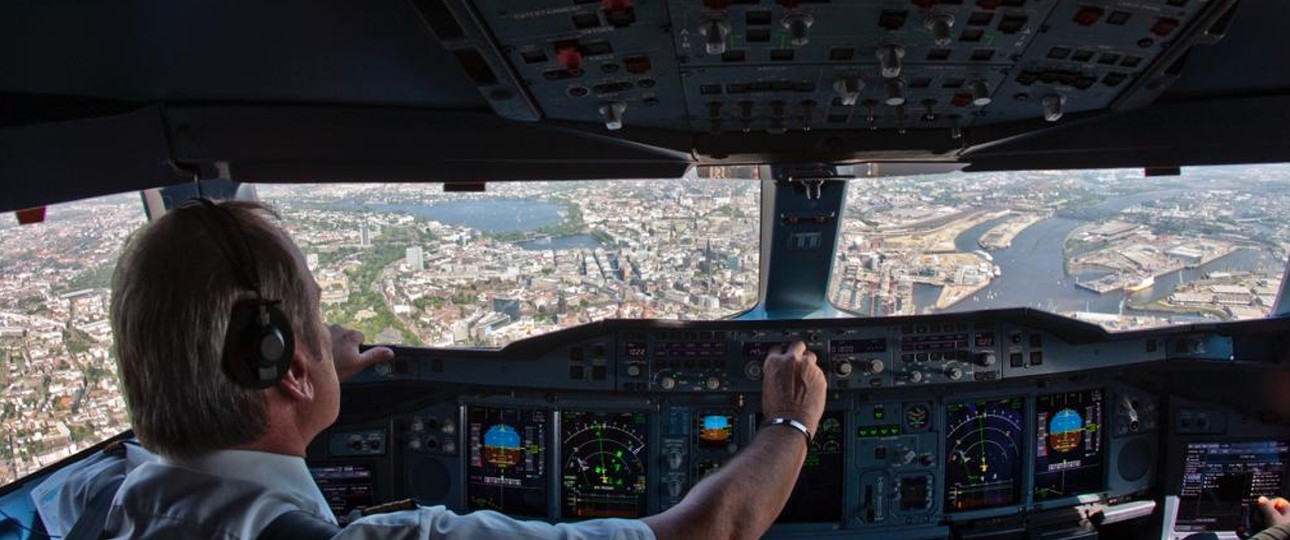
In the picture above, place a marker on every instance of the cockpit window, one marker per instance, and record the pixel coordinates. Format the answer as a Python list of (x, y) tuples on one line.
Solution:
[(410, 264), (1110, 247), (61, 393)]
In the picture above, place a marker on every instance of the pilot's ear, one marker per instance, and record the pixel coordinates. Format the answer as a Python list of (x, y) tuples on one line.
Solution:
[(297, 383)]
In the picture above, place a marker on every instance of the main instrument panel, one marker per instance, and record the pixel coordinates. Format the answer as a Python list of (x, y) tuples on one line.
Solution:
[(932, 423)]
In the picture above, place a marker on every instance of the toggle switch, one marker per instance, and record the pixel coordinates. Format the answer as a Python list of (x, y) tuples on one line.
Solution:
[(612, 113), (929, 110), (890, 57), (848, 89)]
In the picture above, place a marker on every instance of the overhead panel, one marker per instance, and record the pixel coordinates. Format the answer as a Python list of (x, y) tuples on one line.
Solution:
[(773, 66)]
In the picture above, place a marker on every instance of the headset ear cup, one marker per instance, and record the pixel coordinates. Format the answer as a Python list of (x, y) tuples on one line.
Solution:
[(277, 337), (257, 356)]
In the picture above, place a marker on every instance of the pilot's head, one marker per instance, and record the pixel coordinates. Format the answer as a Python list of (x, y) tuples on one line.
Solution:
[(172, 294)]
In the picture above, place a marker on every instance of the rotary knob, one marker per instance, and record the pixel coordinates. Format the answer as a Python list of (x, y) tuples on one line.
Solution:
[(674, 460), (383, 369), (753, 369), (954, 373), (666, 382), (414, 443), (842, 368), (986, 359), (713, 383), (874, 366), (674, 488), (914, 377), (634, 370)]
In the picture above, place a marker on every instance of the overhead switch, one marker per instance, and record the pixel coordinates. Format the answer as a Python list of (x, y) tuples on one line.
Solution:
[(848, 89), (980, 93), (714, 32), (890, 57), (939, 25), (798, 25), (612, 113), (1053, 104)]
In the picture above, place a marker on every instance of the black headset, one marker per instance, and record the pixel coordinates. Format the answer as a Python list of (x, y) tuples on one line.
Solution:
[(259, 342)]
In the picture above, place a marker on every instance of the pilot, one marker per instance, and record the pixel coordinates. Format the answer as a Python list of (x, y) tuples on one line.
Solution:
[(229, 372), (1276, 515)]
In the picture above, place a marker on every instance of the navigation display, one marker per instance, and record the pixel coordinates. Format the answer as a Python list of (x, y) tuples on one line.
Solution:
[(346, 486), (983, 453), (1220, 478), (506, 466), (817, 496), (1069, 444), (604, 464)]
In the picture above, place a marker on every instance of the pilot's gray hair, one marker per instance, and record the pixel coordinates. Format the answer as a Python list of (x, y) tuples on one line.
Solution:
[(172, 293)]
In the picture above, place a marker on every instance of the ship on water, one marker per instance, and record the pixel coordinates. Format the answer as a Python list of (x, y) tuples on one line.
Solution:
[(1144, 284)]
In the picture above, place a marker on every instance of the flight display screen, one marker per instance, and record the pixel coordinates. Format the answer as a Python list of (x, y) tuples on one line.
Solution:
[(983, 446), (715, 429), (604, 462), (346, 486), (1221, 478), (506, 467), (1069, 453), (817, 496)]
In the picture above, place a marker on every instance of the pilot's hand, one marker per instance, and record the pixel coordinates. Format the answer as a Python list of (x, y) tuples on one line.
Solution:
[(344, 352), (1275, 511), (794, 386)]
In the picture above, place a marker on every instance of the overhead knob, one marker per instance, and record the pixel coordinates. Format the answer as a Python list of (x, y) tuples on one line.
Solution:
[(713, 383), (1053, 104), (714, 32), (798, 24), (666, 382), (915, 377), (986, 359), (874, 366), (848, 89), (980, 93), (612, 113), (842, 368), (890, 57), (895, 92), (414, 443), (939, 25), (417, 425), (634, 370), (448, 427), (954, 373)]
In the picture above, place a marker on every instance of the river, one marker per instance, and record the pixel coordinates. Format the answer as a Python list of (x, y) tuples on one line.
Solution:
[(491, 216), (1034, 273)]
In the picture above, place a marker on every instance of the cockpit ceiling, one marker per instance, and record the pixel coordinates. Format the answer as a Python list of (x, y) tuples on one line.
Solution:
[(104, 98)]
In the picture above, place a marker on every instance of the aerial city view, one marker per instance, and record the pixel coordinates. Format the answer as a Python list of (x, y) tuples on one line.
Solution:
[(410, 264)]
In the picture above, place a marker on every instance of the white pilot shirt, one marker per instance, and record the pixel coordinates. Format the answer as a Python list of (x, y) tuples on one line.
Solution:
[(234, 494)]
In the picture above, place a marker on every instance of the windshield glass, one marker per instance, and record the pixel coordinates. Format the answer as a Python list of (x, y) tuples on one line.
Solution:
[(60, 386), (1107, 246), (410, 264)]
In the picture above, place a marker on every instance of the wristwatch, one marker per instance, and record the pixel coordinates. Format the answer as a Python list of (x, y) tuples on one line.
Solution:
[(783, 421)]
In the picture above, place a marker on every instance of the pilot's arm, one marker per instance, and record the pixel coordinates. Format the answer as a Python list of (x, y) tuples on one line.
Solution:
[(743, 498), (1276, 513)]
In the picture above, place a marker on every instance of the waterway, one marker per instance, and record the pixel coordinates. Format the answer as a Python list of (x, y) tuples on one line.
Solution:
[(491, 216), (1034, 273)]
